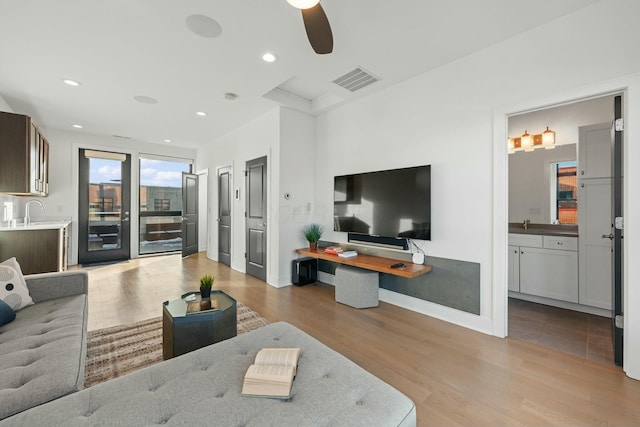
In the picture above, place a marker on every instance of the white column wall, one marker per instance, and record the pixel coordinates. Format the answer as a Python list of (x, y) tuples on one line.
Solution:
[(297, 175), (260, 137)]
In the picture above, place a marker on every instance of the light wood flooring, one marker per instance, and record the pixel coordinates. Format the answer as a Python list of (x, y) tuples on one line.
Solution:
[(582, 334), (454, 375)]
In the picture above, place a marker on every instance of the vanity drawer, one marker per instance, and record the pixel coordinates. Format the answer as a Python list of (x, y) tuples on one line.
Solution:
[(562, 243), (529, 240)]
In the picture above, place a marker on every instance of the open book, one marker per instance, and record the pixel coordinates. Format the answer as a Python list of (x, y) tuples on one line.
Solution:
[(272, 373)]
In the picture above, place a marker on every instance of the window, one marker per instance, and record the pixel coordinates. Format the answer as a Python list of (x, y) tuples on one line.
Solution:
[(161, 204), (564, 184)]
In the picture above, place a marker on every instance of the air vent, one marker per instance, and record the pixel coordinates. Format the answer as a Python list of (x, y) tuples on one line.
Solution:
[(356, 80)]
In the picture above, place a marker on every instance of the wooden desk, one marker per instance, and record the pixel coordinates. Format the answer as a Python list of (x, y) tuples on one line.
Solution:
[(370, 262)]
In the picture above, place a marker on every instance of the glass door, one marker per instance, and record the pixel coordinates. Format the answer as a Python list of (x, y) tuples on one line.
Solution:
[(104, 206), (161, 204)]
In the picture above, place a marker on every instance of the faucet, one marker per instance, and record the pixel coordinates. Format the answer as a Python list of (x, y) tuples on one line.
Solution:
[(27, 219), (525, 224)]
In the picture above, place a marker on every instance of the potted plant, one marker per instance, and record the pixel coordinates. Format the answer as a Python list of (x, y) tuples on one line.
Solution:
[(206, 282), (313, 233)]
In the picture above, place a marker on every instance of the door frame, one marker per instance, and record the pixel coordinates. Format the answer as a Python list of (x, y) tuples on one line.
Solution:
[(203, 209), (134, 209), (123, 252), (495, 304)]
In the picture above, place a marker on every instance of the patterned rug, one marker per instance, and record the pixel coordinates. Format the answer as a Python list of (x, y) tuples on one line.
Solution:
[(116, 351)]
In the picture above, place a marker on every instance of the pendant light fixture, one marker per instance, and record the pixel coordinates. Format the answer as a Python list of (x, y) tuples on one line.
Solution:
[(549, 139), (526, 141)]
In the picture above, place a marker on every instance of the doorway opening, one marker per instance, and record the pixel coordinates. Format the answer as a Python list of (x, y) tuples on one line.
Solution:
[(561, 287)]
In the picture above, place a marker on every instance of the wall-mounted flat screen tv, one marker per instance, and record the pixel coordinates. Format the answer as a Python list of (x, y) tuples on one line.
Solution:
[(390, 203)]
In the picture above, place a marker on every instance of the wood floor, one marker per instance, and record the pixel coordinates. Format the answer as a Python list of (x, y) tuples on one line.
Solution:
[(455, 376), (582, 334)]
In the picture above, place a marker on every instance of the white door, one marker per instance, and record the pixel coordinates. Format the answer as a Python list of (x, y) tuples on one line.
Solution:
[(594, 217)]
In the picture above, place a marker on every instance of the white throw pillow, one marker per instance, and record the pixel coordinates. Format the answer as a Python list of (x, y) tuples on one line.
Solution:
[(13, 288)]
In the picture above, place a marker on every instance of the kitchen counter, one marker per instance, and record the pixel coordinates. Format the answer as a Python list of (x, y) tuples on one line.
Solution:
[(545, 229), (36, 225)]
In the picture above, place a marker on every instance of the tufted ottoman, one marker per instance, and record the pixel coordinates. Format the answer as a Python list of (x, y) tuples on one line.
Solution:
[(203, 388), (42, 352)]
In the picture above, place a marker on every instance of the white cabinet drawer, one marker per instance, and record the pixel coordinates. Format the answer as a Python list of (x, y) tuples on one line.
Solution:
[(529, 240), (561, 243)]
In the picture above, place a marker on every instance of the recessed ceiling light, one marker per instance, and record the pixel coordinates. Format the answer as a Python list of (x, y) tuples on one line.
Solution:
[(203, 26), (167, 140), (269, 57), (71, 82), (201, 113), (303, 4), (145, 99), (77, 126)]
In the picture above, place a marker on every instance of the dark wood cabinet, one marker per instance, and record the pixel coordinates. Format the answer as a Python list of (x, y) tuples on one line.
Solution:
[(24, 163), (37, 251)]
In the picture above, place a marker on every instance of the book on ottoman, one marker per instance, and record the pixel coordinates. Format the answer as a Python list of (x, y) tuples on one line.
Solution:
[(272, 373)]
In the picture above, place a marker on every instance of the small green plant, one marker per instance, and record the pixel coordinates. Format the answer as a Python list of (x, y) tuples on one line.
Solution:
[(206, 281), (313, 233)]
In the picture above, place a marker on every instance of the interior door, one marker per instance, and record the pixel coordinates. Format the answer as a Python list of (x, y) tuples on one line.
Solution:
[(189, 214), (617, 231), (224, 215), (256, 218), (104, 196)]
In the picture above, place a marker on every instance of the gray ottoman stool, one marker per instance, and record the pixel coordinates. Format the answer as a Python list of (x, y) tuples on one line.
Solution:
[(356, 287)]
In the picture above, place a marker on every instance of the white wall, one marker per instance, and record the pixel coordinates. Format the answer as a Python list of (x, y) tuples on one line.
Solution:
[(287, 138), (297, 175), (258, 138), (564, 120)]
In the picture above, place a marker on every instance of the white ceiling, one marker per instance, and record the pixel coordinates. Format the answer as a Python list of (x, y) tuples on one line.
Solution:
[(119, 49)]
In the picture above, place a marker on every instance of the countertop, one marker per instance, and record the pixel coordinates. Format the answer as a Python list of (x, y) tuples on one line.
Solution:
[(545, 229), (36, 225)]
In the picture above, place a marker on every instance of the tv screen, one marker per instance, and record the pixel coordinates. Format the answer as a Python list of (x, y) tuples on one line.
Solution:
[(390, 203)]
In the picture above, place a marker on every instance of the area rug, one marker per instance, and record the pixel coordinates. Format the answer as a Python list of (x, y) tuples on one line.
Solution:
[(116, 351)]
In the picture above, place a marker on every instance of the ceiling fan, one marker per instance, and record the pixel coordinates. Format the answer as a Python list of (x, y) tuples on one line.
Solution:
[(316, 24)]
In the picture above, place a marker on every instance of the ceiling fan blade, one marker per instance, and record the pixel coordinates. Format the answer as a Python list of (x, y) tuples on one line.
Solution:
[(318, 29)]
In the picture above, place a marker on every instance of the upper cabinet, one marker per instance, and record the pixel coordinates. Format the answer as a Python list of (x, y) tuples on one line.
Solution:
[(594, 157), (24, 163)]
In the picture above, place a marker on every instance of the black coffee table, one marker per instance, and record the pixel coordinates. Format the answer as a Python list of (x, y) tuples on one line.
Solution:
[(189, 325)]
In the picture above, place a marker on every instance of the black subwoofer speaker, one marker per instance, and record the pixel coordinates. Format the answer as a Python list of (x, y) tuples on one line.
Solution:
[(304, 271)]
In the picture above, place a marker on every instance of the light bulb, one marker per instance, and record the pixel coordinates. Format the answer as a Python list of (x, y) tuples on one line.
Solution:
[(303, 4)]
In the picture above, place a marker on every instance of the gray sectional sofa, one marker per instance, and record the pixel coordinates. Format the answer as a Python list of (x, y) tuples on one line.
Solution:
[(42, 352), (203, 388)]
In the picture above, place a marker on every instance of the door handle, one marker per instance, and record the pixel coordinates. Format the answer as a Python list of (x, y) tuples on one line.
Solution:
[(608, 236)]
